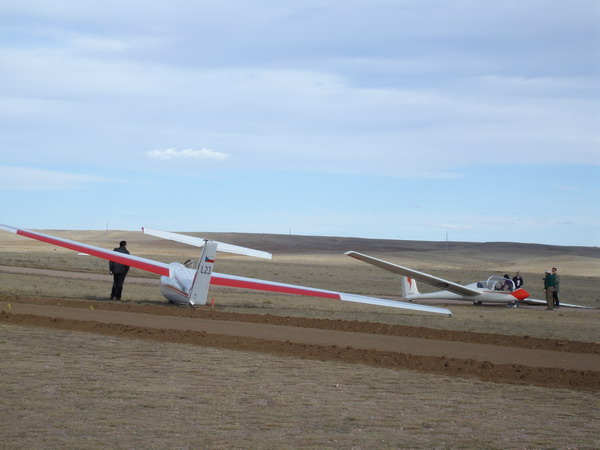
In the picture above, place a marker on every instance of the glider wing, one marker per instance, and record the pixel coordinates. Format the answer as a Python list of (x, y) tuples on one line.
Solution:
[(219, 279), (148, 265), (535, 301), (419, 276)]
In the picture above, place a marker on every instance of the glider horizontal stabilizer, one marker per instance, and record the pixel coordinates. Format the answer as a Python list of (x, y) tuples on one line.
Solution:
[(199, 242)]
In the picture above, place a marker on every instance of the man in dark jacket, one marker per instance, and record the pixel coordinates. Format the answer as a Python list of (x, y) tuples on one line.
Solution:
[(518, 280), (119, 272)]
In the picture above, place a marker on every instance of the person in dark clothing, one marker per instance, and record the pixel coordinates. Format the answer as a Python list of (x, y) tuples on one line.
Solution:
[(518, 280), (119, 272), (556, 287)]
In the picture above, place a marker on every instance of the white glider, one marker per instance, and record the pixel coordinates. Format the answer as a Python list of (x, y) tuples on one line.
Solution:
[(495, 289), (183, 285)]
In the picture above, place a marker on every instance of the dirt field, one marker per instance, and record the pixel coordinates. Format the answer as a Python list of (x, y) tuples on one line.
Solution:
[(262, 370)]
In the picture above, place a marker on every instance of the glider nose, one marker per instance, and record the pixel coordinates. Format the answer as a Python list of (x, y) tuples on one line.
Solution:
[(520, 294)]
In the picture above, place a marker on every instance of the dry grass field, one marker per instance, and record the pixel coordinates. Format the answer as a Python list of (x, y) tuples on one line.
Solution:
[(73, 389), (77, 390)]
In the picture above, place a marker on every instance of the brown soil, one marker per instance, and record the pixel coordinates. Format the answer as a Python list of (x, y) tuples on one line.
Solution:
[(488, 357)]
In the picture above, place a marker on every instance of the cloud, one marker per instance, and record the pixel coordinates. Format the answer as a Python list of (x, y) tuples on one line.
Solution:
[(425, 98), (203, 153), (33, 179)]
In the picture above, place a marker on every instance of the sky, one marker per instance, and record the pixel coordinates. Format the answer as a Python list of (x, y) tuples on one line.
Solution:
[(464, 120)]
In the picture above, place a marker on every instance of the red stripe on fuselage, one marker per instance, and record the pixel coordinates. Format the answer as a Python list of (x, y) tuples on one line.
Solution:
[(519, 294), (245, 284), (177, 291)]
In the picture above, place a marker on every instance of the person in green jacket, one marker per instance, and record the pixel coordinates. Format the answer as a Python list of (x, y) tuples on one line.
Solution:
[(549, 283)]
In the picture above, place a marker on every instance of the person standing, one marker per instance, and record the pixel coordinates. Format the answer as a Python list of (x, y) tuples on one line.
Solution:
[(549, 281), (119, 272), (556, 286), (518, 281)]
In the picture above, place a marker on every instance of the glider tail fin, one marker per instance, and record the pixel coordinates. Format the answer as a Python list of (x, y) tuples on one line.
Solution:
[(199, 290), (409, 287)]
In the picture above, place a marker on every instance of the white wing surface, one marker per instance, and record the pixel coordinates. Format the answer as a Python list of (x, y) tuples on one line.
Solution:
[(535, 301), (419, 276), (199, 242), (219, 279)]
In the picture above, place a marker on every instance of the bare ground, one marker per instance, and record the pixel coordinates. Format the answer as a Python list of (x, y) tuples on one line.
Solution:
[(175, 377), (487, 357)]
